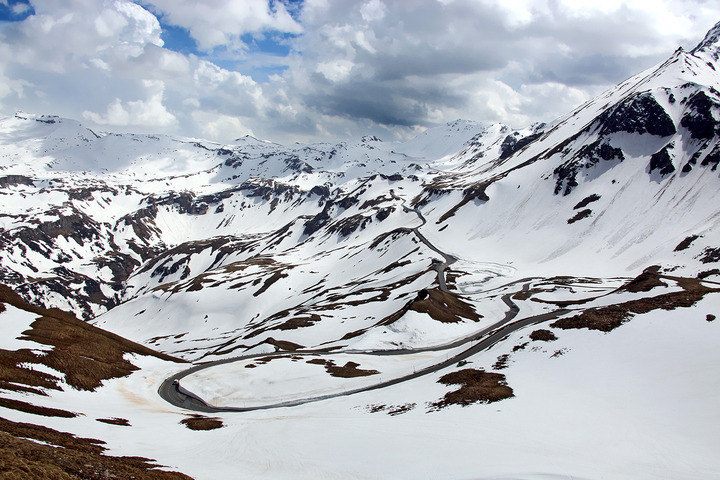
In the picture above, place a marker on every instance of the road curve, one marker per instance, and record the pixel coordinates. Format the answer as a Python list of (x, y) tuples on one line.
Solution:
[(171, 390), (447, 259), (174, 393)]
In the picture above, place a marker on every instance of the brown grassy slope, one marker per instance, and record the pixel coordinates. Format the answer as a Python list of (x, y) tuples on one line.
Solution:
[(442, 306), (610, 317), (73, 458), (85, 354), (201, 422), (476, 386), (445, 307)]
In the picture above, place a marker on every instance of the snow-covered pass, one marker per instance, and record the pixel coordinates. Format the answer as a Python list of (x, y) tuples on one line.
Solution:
[(477, 302)]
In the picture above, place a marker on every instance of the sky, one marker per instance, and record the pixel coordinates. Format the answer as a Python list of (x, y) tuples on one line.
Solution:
[(327, 70)]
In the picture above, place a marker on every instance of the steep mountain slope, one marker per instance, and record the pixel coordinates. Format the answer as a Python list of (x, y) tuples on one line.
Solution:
[(611, 187)]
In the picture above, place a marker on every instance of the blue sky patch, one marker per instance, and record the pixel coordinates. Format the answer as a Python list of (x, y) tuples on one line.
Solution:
[(263, 55), (16, 11)]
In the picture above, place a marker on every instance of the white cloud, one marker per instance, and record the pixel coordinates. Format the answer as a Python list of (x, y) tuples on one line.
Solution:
[(147, 113), (336, 71), (216, 23), (373, 66), (373, 10), (219, 127), (20, 8)]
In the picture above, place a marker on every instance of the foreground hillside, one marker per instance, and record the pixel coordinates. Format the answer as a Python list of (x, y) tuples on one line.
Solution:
[(474, 293)]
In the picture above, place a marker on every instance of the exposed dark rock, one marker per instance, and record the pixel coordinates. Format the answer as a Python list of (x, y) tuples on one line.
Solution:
[(710, 255), (686, 243), (712, 158), (318, 221), (511, 144), (475, 192), (384, 213), (662, 161), (587, 201), (580, 215), (640, 114), (698, 118), (320, 191), (347, 202), (349, 225), (12, 180), (586, 157)]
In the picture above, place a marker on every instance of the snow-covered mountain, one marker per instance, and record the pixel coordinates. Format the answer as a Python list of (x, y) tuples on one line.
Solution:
[(206, 251), (147, 226)]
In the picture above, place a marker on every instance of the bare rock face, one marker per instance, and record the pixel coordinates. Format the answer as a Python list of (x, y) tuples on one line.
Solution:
[(640, 114)]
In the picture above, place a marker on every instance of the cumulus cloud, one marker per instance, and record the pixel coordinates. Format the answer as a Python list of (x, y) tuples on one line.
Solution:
[(220, 127), (215, 23), (384, 67), (147, 113)]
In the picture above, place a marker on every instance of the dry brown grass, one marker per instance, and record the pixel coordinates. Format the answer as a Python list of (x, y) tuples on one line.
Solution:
[(444, 307), (34, 409), (123, 422), (300, 322), (543, 335), (610, 317), (200, 422), (79, 458), (502, 362), (85, 354), (477, 386), (11, 372), (283, 344), (349, 370), (646, 281)]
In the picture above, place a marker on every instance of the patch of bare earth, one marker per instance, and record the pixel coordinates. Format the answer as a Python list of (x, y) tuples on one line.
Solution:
[(63, 456), (646, 281), (122, 422), (610, 317), (543, 335), (200, 422), (476, 386), (445, 307), (34, 409), (441, 306), (502, 362), (349, 370)]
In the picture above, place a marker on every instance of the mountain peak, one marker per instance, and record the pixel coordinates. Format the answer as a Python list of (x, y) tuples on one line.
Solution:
[(711, 43)]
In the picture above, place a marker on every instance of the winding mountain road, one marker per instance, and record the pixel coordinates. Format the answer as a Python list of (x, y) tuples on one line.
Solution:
[(171, 390), (448, 259)]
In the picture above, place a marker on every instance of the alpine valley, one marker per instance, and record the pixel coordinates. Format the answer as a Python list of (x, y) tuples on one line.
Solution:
[(477, 302)]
